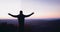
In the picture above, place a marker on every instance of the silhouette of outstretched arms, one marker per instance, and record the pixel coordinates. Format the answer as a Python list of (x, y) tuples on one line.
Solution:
[(12, 15), (29, 14)]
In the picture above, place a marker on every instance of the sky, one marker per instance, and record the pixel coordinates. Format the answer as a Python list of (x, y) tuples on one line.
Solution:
[(41, 8)]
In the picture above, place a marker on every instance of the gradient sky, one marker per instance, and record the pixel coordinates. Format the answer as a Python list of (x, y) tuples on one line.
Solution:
[(41, 8)]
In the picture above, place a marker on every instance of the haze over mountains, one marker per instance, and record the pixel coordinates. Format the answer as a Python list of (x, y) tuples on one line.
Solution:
[(31, 25)]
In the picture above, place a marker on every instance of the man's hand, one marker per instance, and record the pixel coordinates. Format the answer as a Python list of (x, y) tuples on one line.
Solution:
[(33, 13), (9, 14)]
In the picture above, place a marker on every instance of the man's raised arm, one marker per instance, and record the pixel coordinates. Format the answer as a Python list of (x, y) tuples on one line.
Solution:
[(12, 15), (29, 14)]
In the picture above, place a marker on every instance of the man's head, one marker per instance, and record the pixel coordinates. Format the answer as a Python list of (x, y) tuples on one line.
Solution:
[(21, 11)]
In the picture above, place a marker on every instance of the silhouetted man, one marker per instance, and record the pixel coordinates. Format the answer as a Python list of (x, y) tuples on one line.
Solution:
[(21, 17)]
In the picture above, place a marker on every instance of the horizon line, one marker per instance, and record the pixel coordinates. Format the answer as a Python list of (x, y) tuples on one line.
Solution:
[(31, 18)]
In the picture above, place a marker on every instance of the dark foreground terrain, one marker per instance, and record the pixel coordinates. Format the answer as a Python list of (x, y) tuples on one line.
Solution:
[(31, 25)]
